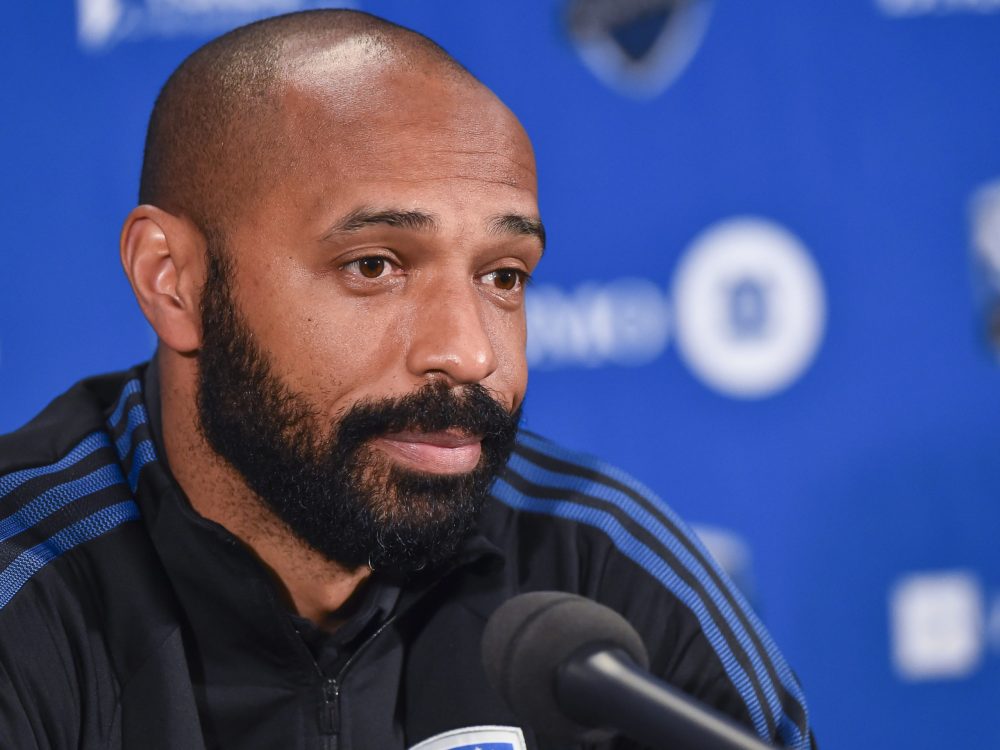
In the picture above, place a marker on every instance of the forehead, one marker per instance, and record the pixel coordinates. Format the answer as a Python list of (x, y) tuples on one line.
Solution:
[(398, 124)]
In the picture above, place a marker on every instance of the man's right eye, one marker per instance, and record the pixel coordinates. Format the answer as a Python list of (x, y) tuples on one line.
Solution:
[(372, 267)]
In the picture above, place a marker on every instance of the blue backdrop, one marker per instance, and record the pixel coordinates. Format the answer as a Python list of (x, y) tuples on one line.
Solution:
[(774, 241)]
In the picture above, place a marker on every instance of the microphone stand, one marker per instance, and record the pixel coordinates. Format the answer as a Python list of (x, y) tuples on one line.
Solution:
[(606, 688)]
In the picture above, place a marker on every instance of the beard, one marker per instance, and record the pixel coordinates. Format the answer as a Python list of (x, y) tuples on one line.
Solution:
[(324, 481)]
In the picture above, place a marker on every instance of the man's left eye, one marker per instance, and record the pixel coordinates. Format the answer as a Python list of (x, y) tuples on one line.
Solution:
[(505, 279)]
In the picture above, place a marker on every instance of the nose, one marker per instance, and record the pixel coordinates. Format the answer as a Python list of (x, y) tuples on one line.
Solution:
[(451, 338)]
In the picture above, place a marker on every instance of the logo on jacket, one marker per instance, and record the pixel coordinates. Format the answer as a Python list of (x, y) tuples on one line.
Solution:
[(638, 47), (476, 738)]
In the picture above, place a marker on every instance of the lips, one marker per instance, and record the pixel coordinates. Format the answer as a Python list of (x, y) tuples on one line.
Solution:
[(443, 452)]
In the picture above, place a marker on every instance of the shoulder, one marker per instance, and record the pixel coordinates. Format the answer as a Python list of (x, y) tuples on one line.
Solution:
[(62, 483), (82, 595), (584, 488), (619, 517), (611, 509), (637, 555)]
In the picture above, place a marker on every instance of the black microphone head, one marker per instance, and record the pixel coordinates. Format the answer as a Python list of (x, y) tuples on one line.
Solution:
[(531, 635)]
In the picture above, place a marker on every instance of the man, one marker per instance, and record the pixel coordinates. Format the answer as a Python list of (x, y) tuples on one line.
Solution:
[(290, 529)]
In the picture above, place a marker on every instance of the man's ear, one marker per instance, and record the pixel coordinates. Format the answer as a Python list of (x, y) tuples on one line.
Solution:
[(163, 257)]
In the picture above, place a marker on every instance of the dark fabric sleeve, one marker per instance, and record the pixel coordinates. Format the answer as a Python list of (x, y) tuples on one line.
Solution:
[(39, 708), (16, 723)]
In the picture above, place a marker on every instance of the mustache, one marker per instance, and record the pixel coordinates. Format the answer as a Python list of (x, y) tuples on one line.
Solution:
[(433, 407)]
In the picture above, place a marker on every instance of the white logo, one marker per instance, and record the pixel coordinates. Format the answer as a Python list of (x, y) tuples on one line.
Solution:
[(938, 625), (749, 307), (748, 310), (903, 8), (97, 20), (103, 23), (476, 738), (626, 322)]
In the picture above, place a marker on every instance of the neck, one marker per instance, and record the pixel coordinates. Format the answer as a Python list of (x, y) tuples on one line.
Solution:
[(314, 587)]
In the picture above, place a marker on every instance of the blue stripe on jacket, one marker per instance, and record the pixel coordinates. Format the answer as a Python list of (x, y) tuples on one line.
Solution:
[(26, 564), (787, 729)]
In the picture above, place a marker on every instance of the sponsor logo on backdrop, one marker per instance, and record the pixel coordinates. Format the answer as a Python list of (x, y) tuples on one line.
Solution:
[(748, 312), (749, 307), (101, 24), (638, 47), (909, 8), (623, 322), (942, 625), (984, 214)]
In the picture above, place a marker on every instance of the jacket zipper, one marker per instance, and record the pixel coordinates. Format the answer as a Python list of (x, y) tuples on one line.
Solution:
[(329, 718), (329, 714)]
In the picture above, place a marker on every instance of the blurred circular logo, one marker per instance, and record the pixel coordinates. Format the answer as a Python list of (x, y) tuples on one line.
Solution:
[(749, 307)]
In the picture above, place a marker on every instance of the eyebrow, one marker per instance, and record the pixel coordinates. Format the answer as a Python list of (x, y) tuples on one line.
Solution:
[(361, 218), (518, 224), (364, 217)]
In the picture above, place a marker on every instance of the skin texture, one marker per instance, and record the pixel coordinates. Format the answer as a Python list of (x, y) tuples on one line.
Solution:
[(360, 137)]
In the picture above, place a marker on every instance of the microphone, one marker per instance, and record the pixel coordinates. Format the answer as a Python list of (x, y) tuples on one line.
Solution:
[(576, 671)]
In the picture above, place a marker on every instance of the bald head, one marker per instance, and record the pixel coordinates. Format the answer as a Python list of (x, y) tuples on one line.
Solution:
[(216, 137)]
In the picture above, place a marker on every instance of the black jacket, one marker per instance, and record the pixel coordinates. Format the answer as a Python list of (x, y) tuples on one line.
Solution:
[(129, 621)]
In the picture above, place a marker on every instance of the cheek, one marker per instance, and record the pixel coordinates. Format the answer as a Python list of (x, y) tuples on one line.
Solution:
[(325, 346), (509, 343), (347, 349)]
